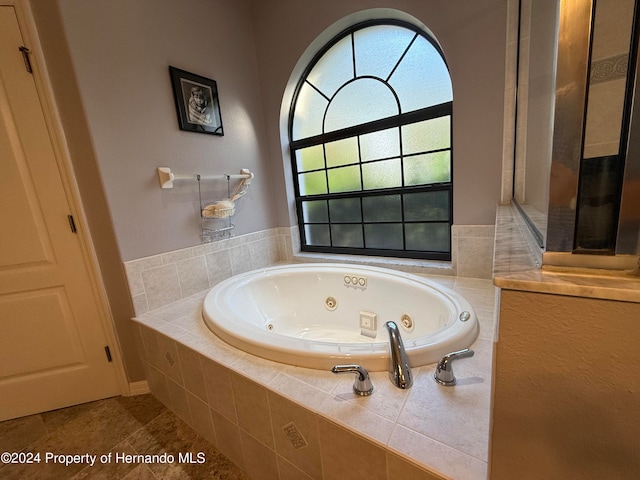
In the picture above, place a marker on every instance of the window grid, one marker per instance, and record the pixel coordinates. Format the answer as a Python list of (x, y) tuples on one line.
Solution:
[(333, 226)]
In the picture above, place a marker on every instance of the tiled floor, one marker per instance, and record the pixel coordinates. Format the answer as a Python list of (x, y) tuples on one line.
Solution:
[(111, 429)]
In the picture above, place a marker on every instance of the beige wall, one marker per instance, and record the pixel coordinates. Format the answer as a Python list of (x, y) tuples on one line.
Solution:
[(120, 53), (567, 388)]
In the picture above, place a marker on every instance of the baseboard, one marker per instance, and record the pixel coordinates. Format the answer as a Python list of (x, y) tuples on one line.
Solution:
[(139, 388)]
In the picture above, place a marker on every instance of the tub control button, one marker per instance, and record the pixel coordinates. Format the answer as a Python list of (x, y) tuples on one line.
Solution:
[(355, 281), (464, 316)]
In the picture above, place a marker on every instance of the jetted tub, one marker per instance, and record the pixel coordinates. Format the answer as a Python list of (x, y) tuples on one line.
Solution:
[(310, 315)]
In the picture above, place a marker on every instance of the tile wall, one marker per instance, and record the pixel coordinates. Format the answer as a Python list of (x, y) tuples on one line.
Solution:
[(159, 280)]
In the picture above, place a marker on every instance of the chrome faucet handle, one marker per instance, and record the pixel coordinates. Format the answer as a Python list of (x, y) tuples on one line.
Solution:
[(362, 386), (444, 370)]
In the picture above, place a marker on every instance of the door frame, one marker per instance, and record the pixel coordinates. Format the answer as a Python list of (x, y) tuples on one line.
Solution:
[(62, 155)]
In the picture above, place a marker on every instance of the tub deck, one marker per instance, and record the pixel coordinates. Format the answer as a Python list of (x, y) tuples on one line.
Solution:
[(237, 400)]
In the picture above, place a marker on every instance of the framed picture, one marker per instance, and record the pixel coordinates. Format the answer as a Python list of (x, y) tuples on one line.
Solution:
[(197, 102)]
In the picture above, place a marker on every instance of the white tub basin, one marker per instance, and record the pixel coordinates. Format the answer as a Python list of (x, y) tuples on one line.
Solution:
[(309, 315)]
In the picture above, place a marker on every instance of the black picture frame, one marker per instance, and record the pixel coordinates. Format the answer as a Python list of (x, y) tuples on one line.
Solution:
[(197, 102)]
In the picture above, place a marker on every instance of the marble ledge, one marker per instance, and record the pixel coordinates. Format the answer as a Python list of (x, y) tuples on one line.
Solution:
[(518, 266), (622, 287), (442, 429)]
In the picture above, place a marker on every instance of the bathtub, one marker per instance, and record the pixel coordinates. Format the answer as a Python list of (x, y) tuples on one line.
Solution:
[(321, 315)]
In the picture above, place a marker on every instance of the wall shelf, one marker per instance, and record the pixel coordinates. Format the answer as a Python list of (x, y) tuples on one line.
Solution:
[(215, 217)]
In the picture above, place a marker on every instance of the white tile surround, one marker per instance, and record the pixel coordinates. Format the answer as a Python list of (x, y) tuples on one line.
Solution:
[(428, 428), (161, 279)]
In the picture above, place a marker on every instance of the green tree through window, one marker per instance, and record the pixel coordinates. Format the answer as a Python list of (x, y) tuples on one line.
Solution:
[(370, 131)]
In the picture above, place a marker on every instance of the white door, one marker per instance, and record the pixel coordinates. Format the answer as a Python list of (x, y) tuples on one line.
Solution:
[(52, 342)]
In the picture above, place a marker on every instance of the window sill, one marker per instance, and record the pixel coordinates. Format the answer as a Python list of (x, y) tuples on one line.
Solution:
[(427, 267)]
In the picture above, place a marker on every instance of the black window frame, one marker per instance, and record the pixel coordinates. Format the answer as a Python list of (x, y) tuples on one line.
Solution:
[(396, 121)]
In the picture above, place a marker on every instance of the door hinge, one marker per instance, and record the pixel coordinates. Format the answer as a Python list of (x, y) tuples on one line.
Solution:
[(72, 224), (25, 56), (108, 352)]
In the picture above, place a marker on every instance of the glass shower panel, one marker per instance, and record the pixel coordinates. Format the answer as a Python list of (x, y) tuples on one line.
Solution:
[(596, 218)]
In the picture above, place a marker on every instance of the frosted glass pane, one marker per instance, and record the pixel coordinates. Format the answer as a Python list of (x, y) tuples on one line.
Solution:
[(359, 102), (345, 210), (386, 208), (315, 212), (425, 169), (433, 237), (388, 236), (382, 144), (312, 183), (425, 136), (383, 174), (422, 79), (334, 69), (342, 152), (345, 179), (347, 236), (426, 206), (311, 158), (379, 48), (308, 114), (317, 235)]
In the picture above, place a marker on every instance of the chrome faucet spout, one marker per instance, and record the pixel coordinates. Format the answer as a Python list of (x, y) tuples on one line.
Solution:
[(399, 370)]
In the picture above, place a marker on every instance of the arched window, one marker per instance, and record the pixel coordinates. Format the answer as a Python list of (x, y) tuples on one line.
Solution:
[(370, 137)]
